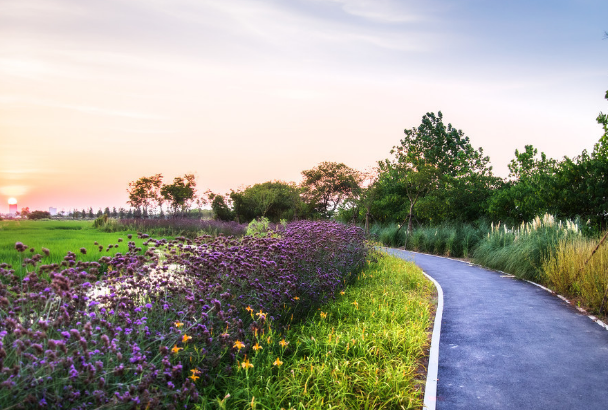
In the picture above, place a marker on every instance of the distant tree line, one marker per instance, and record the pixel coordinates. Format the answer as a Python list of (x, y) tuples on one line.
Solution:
[(432, 176)]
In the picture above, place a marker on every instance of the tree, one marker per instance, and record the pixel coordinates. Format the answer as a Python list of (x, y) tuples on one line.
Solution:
[(530, 190), (327, 185), (220, 208), (274, 200), (145, 193), (25, 212), (434, 165), (180, 194), (34, 215)]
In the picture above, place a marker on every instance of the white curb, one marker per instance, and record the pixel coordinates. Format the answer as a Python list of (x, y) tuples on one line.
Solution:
[(430, 391)]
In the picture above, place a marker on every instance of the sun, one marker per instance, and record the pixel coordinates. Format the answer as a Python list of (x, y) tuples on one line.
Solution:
[(12, 201)]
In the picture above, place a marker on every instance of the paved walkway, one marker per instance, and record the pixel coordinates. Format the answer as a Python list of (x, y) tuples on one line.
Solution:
[(507, 344)]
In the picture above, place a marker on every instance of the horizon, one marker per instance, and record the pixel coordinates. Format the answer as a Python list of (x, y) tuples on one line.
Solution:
[(99, 94)]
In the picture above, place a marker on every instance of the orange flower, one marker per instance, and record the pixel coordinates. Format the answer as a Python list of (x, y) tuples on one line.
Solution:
[(176, 349), (194, 377), (296, 298), (283, 343), (342, 292), (195, 371), (323, 315), (238, 345), (185, 338), (257, 347), (246, 363), (356, 304), (277, 362), (178, 324)]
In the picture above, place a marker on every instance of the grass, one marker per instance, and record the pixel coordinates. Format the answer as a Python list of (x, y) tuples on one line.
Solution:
[(449, 239), (362, 351), (578, 275), (522, 250), (59, 237)]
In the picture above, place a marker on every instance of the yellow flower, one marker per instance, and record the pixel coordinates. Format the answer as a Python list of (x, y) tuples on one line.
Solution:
[(261, 314), (277, 362), (296, 298), (323, 315), (176, 349), (257, 347), (194, 377), (178, 324), (195, 371), (283, 343), (356, 304), (246, 363), (239, 345), (185, 338), (342, 292), (249, 309)]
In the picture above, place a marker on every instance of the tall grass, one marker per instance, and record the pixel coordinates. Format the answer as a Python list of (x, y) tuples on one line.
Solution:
[(522, 250), (188, 227), (572, 271), (449, 239)]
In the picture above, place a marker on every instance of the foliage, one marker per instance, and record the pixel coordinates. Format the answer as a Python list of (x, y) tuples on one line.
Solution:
[(137, 333), (34, 215), (144, 193), (220, 208), (521, 250), (180, 194), (434, 174), (262, 228), (274, 200), (361, 351), (327, 185), (447, 239), (576, 272)]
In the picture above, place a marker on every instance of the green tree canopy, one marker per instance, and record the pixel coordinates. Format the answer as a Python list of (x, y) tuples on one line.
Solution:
[(180, 194), (435, 172), (144, 194), (327, 185)]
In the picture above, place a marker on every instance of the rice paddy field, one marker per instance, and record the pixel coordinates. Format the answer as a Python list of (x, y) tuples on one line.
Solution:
[(60, 237)]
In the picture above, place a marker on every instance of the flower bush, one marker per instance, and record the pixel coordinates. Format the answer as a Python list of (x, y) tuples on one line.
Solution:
[(152, 326)]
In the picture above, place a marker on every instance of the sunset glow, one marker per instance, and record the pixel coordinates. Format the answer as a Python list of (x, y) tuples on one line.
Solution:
[(97, 95), (12, 201)]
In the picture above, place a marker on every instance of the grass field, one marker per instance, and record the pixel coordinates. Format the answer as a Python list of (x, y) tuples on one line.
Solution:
[(59, 237)]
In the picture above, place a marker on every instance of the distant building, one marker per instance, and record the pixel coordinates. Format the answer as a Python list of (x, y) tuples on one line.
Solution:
[(12, 209), (53, 211)]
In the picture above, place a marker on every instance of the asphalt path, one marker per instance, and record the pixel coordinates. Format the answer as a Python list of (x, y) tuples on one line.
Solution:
[(508, 344)]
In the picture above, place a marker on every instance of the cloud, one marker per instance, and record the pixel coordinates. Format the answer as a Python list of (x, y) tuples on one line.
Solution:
[(14, 190), (87, 109), (384, 11)]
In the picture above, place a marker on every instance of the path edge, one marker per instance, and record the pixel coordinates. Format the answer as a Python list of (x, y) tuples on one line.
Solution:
[(430, 390)]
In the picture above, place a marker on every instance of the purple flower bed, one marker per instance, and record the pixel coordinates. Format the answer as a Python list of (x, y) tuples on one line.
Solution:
[(132, 336)]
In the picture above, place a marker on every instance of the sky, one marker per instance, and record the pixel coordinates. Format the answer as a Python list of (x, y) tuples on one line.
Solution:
[(95, 94)]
